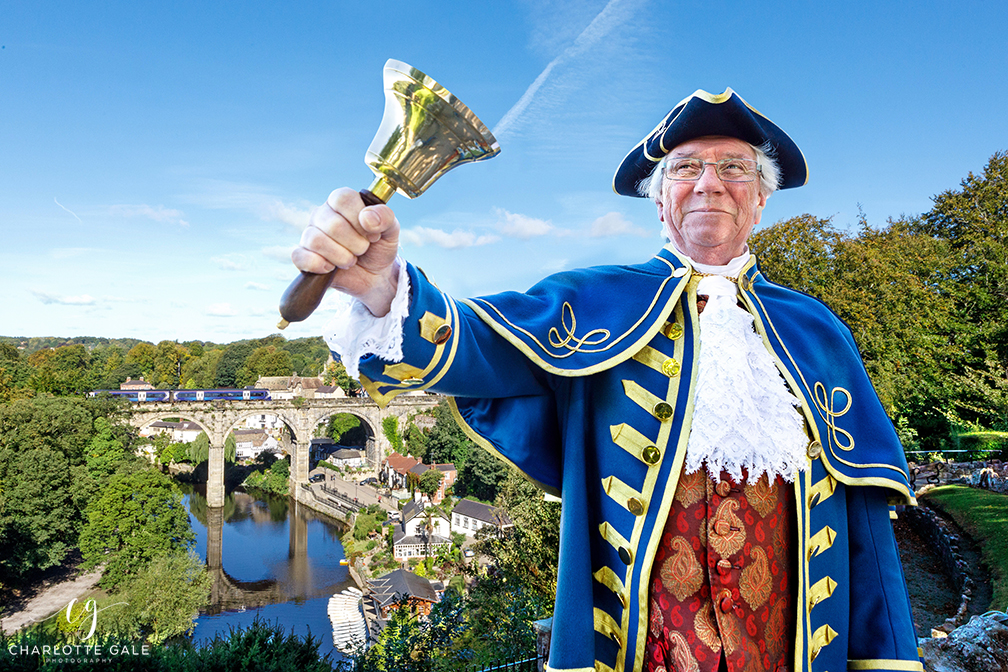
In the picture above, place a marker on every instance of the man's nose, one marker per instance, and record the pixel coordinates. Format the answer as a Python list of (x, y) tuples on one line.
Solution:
[(708, 181)]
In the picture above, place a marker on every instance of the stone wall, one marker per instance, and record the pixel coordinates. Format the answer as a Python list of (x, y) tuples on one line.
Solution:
[(944, 539)]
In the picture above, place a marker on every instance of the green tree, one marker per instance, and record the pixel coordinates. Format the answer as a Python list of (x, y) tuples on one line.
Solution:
[(529, 554), (104, 452), (415, 441), (336, 374), (973, 221), (138, 516), (40, 518), (446, 441), (390, 427), (230, 362), (346, 429), (63, 371), (169, 359), (199, 371), (143, 355), (161, 601), (14, 374), (430, 482), (230, 449), (481, 477), (199, 449), (264, 361)]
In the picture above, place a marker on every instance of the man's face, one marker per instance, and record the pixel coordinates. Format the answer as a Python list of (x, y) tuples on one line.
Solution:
[(710, 220)]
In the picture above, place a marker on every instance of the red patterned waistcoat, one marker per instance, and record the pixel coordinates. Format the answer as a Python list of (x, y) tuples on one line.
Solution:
[(722, 578)]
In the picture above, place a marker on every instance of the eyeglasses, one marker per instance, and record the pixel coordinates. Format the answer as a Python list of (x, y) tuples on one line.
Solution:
[(685, 169)]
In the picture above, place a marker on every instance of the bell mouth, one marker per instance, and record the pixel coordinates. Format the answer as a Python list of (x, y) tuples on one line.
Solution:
[(425, 132)]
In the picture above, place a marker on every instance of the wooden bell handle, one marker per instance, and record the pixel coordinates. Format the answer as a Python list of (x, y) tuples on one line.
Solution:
[(305, 293)]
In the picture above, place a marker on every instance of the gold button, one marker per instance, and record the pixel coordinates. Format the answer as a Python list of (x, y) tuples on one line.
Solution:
[(745, 283), (662, 410), (412, 381), (679, 272), (442, 334), (670, 367), (814, 450), (616, 638), (651, 455), (622, 599), (624, 555), (723, 488), (673, 330), (635, 506)]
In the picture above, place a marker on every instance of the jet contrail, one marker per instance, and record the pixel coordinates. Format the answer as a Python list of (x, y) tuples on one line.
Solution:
[(67, 209), (601, 25)]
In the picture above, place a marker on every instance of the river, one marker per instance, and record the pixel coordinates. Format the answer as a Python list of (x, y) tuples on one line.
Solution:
[(270, 558)]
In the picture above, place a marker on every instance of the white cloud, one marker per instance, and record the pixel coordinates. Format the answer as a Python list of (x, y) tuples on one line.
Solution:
[(614, 224), (254, 199), (231, 262), (221, 310), (255, 285), (286, 213), (157, 214), (49, 299), (522, 226), (457, 239), (278, 253)]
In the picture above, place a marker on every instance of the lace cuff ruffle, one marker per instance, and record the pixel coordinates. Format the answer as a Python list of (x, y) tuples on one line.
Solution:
[(354, 333)]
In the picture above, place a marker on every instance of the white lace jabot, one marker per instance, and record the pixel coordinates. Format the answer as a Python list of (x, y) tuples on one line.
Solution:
[(744, 416)]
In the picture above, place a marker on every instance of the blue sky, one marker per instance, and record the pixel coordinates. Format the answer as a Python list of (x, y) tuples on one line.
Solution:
[(158, 160)]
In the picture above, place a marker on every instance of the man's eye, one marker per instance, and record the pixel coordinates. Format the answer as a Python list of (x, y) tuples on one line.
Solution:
[(684, 168)]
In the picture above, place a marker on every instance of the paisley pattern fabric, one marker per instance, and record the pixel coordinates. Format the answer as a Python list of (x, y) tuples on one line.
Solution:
[(723, 584)]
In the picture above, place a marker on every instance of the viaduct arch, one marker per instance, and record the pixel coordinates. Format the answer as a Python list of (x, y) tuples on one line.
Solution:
[(301, 415)]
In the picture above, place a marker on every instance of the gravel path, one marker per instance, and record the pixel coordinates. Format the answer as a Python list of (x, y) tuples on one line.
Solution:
[(50, 600)]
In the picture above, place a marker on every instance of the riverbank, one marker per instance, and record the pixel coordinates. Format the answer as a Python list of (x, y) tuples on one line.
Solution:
[(50, 599)]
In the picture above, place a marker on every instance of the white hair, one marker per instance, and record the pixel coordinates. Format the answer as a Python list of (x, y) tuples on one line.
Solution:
[(766, 157)]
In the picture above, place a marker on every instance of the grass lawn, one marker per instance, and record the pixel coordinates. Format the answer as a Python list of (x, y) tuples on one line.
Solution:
[(984, 515)]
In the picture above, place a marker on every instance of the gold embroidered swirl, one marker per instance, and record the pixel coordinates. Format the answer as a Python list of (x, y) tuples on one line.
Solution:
[(825, 404), (594, 337)]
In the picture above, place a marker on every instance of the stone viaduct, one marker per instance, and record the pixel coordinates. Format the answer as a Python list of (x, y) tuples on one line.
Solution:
[(300, 415)]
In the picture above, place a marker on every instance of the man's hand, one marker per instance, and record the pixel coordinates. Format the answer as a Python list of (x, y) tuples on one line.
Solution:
[(362, 242)]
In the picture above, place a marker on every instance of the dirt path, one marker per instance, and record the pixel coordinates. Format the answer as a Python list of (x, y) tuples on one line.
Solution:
[(50, 600)]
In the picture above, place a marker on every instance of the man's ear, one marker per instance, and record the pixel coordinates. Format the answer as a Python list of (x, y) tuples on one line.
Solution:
[(661, 211)]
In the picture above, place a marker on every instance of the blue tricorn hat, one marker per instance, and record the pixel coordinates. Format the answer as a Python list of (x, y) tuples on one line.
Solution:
[(710, 114)]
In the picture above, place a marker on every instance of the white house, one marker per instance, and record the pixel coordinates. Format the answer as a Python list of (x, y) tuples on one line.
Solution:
[(347, 458), (411, 536), (330, 392), (263, 421), (469, 516), (179, 432), (250, 442)]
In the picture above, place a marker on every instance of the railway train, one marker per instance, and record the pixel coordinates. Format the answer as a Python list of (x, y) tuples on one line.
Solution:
[(221, 394)]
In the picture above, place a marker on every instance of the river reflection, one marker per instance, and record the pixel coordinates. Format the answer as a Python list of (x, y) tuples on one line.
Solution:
[(267, 557)]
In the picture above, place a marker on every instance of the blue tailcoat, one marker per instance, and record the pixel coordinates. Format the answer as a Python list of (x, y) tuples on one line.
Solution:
[(585, 383)]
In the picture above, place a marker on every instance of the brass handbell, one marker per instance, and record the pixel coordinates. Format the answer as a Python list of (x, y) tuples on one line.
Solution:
[(424, 133)]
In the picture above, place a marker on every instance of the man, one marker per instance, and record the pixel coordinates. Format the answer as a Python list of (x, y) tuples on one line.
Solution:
[(724, 464)]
